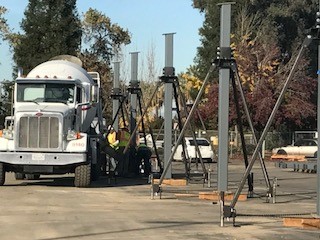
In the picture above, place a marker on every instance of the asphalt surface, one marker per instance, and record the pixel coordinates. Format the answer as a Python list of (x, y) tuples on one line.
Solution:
[(51, 208)]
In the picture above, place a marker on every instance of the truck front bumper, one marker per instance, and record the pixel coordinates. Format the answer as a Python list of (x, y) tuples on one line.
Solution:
[(51, 159)]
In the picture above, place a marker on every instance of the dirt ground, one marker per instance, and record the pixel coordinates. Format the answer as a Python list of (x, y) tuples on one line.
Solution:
[(51, 208)]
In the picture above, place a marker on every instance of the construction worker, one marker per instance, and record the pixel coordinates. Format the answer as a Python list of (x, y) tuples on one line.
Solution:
[(111, 145), (112, 138), (143, 159), (123, 163)]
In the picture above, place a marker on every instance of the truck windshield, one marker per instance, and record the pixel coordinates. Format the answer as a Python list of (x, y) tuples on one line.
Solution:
[(45, 92)]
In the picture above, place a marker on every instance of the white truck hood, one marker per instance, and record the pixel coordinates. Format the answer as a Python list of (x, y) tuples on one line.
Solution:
[(44, 107)]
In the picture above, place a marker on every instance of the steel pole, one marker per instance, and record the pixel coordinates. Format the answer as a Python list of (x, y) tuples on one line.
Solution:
[(168, 97), (115, 102), (223, 105), (134, 83), (318, 129)]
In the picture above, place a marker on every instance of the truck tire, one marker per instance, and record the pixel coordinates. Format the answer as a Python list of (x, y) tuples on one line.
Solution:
[(82, 176), (2, 174), (19, 176)]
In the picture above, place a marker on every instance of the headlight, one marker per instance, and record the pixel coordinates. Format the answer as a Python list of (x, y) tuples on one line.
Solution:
[(8, 134), (73, 135)]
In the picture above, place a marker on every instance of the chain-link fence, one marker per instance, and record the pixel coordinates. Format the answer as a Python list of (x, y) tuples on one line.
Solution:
[(272, 140)]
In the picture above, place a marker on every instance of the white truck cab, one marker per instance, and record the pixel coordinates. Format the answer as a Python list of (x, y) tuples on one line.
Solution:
[(54, 106)]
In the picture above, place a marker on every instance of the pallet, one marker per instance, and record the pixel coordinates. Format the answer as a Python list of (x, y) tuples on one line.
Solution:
[(299, 158), (307, 166), (310, 223), (215, 196), (172, 182)]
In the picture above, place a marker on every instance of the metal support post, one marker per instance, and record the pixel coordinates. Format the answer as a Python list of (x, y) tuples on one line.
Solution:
[(168, 96), (275, 183), (318, 125), (223, 114), (133, 86), (221, 195), (116, 90), (134, 83)]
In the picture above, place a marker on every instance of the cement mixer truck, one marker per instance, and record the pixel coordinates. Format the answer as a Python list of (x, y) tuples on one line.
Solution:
[(58, 123)]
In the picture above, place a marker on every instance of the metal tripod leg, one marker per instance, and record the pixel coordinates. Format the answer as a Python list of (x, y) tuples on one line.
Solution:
[(183, 144), (117, 113), (192, 130), (239, 123), (196, 102), (142, 115), (263, 166), (268, 124), (205, 129), (141, 102)]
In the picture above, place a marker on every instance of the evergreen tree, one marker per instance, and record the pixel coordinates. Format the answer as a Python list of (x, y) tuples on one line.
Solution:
[(4, 29), (5, 86), (5, 100), (209, 33), (51, 28)]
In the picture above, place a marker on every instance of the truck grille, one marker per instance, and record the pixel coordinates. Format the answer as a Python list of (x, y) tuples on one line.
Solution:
[(39, 132)]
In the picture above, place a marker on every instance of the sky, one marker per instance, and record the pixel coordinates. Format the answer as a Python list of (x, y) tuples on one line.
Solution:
[(146, 20)]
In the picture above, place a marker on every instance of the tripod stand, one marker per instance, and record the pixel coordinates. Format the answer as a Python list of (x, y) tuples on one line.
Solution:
[(169, 77), (137, 90), (229, 211), (223, 63), (133, 89)]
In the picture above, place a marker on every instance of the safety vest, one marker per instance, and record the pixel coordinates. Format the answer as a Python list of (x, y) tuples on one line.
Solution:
[(112, 139), (143, 146), (124, 138)]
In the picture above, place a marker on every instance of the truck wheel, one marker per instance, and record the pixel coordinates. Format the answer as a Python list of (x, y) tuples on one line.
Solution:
[(2, 174), (19, 176), (32, 176), (82, 176)]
